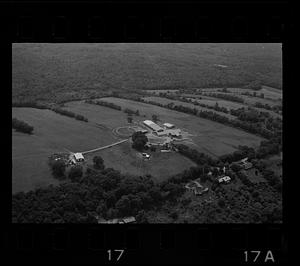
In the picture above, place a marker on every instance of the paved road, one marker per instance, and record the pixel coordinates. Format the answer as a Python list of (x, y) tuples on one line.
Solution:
[(105, 147)]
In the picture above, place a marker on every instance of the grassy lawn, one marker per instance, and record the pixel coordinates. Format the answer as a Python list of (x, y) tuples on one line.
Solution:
[(127, 160), (55, 133)]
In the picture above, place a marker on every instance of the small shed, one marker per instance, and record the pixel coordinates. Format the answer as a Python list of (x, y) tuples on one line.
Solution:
[(168, 125)]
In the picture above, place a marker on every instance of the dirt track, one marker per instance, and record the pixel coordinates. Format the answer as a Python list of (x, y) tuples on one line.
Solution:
[(105, 147)]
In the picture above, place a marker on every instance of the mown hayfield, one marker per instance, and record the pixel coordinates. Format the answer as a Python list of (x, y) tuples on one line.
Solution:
[(52, 133), (29, 162), (209, 137), (100, 115), (161, 165), (190, 105)]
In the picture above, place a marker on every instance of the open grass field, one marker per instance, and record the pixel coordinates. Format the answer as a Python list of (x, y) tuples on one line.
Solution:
[(102, 116), (161, 165), (55, 133), (52, 133), (166, 101), (43, 70), (209, 137)]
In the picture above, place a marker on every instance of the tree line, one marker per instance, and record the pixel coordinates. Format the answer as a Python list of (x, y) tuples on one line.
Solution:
[(224, 96), (21, 126), (108, 194), (54, 109), (106, 104), (245, 119), (69, 114)]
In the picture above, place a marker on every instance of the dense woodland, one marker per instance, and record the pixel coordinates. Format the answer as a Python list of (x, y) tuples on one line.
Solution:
[(69, 71)]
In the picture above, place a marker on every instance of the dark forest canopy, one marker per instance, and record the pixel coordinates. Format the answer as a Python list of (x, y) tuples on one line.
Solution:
[(41, 69)]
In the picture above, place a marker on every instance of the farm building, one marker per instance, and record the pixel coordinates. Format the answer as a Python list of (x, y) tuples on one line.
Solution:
[(129, 220), (244, 163), (161, 133), (174, 132), (78, 157), (225, 179), (152, 126), (168, 125)]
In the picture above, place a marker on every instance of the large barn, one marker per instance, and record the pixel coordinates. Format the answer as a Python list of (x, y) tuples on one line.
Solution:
[(153, 126)]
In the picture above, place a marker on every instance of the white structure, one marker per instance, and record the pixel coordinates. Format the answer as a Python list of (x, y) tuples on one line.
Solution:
[(78, 157), (168, 125), (161, 133), (153, 126), (225, 179), (174, 132), (146, 156), (127, 220)]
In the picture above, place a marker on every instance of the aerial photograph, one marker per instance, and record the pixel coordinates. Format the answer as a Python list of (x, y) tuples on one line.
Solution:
[(158, 133)]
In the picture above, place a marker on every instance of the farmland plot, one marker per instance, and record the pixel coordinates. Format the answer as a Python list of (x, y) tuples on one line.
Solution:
[(209, 137), (161, 165), (52, 133), (166, 101)]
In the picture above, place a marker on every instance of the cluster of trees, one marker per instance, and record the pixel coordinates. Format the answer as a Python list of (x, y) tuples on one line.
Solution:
[(131, 112), (139, 140), (106, 104), (273, 180), (254, 85), (228, 97), (21, 126), (249, 115), (196, 156), (275, 108), (31, 104), (69, 114), (265, 149), (58, 110), (254, 94), (107, 194)]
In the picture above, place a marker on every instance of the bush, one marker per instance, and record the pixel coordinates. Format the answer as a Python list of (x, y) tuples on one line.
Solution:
[(139, 141), (58, 169), (75, 173), (98, 163)]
